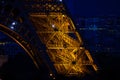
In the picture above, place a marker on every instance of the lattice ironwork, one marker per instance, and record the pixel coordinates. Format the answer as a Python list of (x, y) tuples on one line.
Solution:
[(44, 6), (63, 42), (57, 31)]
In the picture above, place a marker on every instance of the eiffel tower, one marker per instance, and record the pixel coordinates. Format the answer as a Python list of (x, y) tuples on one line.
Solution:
[(57, 31)]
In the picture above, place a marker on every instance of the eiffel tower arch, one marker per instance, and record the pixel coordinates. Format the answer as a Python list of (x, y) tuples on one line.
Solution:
[(13, 26)]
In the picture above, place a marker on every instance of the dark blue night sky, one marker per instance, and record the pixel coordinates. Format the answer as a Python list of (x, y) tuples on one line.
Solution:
[(94, 11), (94, 7)]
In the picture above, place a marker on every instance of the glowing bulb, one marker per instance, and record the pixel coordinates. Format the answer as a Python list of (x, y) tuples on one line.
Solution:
[(54, 78), (53, 25), (12, 27), (14, 23), (60, 0), (51, 74)]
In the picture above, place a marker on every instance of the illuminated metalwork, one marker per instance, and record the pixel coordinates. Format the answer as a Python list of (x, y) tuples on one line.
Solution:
[(44, 6), (56, 30), (64, 44)]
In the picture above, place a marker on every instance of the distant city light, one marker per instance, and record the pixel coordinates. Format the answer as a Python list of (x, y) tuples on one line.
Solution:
[(54, 78), (13, 23), (53, 26), (60, 0), (51, 74), (2, 43), (63, 15), (11, 27)]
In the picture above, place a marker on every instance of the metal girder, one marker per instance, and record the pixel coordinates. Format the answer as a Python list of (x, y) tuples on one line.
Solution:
[(44, 6), (64, 44)]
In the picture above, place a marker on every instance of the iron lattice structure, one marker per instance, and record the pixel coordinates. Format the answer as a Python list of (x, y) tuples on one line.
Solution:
[(57, 31)]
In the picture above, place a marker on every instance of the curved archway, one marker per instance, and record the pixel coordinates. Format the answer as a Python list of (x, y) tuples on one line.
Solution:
[(30, 50)]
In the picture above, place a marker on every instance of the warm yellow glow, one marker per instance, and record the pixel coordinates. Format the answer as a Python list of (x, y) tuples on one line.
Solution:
[(65, 52)]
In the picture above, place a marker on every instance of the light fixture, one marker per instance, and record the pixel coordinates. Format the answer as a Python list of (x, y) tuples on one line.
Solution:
[(60, 0), (12, 27), (13, 23), (53, 26)]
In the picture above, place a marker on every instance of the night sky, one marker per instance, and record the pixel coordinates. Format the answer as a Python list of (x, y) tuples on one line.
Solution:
[(94, 7)]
